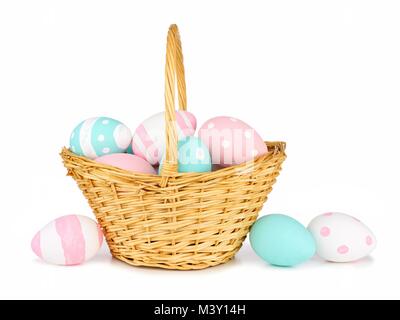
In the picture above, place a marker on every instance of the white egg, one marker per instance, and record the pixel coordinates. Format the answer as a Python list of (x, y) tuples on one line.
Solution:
[(68, 240), (341, 238)]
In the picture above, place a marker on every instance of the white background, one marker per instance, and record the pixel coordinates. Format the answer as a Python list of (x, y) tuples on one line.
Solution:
[(324, 76)]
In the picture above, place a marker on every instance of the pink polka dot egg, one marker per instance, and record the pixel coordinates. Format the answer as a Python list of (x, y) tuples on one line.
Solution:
[(340, 237), (68, 240), (231, 141)]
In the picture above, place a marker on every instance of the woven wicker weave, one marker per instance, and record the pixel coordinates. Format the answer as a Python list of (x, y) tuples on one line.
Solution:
[(176, 220)]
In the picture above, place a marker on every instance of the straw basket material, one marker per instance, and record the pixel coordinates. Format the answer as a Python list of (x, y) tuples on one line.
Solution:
[(176, 220)]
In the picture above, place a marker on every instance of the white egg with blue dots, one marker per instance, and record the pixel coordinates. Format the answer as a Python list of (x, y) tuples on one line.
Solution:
[(98, 136)]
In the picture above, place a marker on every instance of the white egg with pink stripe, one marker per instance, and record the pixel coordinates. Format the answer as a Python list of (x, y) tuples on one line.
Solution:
[(68, 240), (149, 138)]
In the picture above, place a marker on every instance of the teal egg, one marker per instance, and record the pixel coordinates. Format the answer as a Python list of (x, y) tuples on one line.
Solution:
[(96, 137), (281, 240), (130, 149), (193, 156)]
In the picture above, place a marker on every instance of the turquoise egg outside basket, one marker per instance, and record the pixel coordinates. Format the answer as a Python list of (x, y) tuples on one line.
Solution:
[(281, 240)]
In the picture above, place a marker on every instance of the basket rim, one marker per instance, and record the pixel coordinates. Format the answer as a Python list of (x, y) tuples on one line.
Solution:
[(276, 150)]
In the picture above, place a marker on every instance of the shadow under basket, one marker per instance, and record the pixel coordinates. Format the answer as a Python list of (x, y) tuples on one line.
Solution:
[(176, 220)]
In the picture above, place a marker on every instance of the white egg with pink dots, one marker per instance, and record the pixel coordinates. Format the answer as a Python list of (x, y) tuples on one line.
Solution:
[(340, 237)]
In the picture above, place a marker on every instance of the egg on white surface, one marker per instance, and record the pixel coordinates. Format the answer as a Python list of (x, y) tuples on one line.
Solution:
[(95, 137), (281, 240), (68, 240), (148, 140), (341, 238)]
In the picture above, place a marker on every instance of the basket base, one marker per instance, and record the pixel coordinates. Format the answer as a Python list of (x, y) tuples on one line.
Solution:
[(178, 266)]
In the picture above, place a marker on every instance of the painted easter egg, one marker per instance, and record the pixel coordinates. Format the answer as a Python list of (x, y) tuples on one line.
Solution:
[(193, 156), (149, 138), (128, 162), (95, 137), (341, 237), (231, 141), (281, 240), (68, 240)]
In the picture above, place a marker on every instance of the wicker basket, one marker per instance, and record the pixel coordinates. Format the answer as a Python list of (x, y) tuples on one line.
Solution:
[(176, 220)]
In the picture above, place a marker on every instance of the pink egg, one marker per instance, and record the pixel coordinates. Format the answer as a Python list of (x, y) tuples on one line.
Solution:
[(128, 162), (148, 141), (68, 240), (231, 141)]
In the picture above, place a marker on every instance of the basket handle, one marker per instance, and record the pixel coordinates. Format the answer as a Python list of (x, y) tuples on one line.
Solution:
[(174, 74)]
